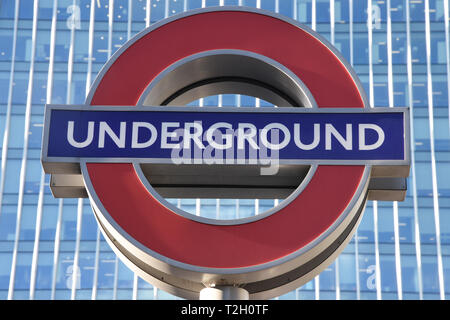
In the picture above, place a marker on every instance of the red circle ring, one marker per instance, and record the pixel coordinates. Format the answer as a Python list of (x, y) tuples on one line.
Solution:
[(123, 202)]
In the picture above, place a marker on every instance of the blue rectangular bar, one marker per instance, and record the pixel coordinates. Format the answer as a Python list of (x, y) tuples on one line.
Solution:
[(288, 133)]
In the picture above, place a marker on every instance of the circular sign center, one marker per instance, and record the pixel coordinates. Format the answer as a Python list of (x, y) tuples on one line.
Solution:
[(218, 72)]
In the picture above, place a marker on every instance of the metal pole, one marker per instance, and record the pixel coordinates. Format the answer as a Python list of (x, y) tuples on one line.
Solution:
[(224, 293)]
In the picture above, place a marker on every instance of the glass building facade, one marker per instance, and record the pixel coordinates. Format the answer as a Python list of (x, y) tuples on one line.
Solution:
[(50, 52)]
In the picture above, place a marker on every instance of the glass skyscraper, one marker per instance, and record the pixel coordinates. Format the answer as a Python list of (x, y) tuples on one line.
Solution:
[(50, 52)]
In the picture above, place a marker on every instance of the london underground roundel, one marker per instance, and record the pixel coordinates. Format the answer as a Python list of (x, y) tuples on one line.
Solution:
[(133, 144)]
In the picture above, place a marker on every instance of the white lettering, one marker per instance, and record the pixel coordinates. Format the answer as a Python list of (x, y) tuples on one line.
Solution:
[(135, 134), (273, 146), (315, 141), (345, 142), (228, 138), (196, 136), (246, 132), (362, 136), (86, 142), (165, 134), (118, 140)]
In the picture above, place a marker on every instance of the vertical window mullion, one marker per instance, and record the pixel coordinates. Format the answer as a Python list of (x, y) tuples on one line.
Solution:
[(90, 46), (23, 167), (56, 246), (336, 262), (110, 40), (432, 151), (96, 265), (130, 17), (75, 269), (447, 53), (88, 83), (375, 203), (135, 287), (147, 13), (41, 187), (313, 26), (9, 105), (413, 160), (398, 267), (358, 285), (42, 181), (313, 15), (34, 259)]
